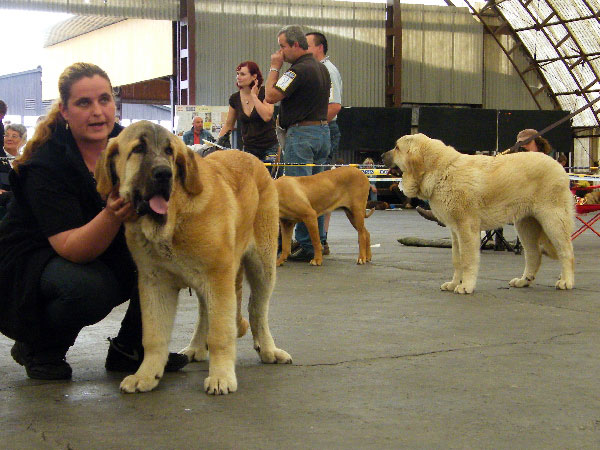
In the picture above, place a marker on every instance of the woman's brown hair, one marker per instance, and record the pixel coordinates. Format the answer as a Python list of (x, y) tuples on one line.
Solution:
[(54, 118)]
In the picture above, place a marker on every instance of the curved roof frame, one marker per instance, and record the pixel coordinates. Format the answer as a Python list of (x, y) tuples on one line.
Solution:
[(562, 38)]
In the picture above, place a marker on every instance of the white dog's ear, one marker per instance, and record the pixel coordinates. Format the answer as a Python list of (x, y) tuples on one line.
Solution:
[(105, 173), (414, 157)]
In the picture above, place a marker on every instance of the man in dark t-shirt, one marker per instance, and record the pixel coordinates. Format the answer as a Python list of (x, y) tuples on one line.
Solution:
[(303, 91)]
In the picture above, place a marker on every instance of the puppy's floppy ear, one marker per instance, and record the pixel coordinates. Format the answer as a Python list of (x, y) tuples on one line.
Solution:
[(187, 167), (105, 173)]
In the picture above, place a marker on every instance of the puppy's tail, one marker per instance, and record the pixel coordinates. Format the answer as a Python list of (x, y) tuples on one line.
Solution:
[(369, 213), (547, 248)]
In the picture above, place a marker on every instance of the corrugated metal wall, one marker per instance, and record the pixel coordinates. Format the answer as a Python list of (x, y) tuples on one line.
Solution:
[(446, 59), (503, 87), (22, 92), (230, 32), (442, 56)]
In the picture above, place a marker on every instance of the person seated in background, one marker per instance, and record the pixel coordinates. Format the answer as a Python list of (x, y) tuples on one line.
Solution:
[(539, 144), (197, 134), (562, 160), (369, 163), (15, 136)]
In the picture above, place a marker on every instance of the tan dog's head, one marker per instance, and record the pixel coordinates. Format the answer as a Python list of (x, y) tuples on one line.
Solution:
[(147, 163), (408, 157)]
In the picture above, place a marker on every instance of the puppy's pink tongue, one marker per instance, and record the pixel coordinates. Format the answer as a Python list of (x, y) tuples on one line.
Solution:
[(159, 205)]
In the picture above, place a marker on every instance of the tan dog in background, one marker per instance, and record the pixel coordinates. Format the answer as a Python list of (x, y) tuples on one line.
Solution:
[(470, 193), (303, 199), (202, 221)]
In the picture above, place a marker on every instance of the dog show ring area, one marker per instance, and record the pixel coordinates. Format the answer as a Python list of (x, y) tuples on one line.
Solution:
[(382, 359)]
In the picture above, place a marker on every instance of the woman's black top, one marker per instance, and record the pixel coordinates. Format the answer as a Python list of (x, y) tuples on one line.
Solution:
[(257, 135)]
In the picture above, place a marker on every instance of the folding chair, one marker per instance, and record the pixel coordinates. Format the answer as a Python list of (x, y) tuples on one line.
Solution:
[(583, 209)]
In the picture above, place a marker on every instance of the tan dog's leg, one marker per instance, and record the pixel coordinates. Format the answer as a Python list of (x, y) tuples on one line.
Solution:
[(528, 230), (197, 349), (158, 300), (457, 276), (287, 228), (357, 219), (222, 330), (468, 238), (259, 266), (242, 324), (260, 272), (313, 230)]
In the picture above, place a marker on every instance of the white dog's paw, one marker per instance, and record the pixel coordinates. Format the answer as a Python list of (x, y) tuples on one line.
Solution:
[(277, 356), (519, 282), (220, 385), (134, 383), (448, 286), (195, 353), (464, 289), (563, 284)]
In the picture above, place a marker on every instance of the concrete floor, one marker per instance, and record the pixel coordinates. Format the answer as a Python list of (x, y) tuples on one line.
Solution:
[(382, 359)]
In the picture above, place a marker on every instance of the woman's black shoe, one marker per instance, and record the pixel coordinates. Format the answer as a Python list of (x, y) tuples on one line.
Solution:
[(49, 364), (121, 358)]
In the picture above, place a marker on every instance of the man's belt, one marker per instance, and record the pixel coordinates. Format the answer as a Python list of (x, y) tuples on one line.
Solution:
[(305, 123)]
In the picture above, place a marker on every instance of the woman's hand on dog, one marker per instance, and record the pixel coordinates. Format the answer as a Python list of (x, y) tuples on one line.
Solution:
[(119, 209)]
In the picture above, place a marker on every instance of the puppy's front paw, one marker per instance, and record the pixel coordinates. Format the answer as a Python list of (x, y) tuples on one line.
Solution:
[(463, 289), (134, 383), (519, 282), (195, 353), (361, 261), (448, 286), (562, 284), (280, 261), (220, 385), (277, 356), (316, 262)]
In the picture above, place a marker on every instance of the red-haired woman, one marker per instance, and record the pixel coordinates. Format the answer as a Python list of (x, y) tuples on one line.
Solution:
[(256, 119)]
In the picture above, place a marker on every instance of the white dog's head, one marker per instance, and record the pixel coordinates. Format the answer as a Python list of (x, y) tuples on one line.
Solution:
[(407, 155)]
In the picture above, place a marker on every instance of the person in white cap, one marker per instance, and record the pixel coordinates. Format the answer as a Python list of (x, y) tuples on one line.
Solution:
[(538, 144)]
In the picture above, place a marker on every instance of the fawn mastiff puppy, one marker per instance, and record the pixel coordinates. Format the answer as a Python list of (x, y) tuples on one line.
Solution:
[(303, 199), (201, 222), (470, 193)]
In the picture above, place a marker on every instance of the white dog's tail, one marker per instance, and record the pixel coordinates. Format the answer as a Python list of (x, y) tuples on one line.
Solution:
[(547, 248)]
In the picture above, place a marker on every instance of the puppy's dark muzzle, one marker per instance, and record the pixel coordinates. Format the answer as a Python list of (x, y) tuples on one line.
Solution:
[(160, 183), (161, 175)]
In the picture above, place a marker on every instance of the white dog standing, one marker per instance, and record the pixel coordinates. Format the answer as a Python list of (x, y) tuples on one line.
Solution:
[(470, 193)]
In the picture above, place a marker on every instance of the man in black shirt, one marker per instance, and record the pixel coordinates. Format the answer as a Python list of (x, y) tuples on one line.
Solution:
[(304, 94)]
